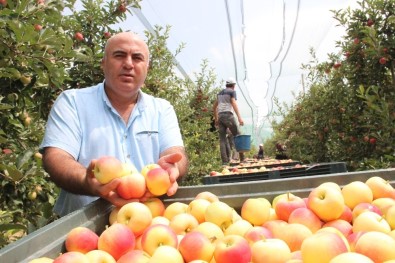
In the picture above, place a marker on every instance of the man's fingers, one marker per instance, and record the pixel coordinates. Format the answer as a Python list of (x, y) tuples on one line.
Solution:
[(171, 158)]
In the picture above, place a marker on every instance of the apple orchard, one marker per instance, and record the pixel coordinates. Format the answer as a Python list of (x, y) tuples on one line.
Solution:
[(332, 224), (347, 113)]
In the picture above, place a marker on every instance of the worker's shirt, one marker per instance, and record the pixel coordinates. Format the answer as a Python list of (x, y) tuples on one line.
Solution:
[(224, 100)]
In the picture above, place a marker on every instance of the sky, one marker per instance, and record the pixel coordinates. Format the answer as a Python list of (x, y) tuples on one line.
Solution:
[(260, 43)]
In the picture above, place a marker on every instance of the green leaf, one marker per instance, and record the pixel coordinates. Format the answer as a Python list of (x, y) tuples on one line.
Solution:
[(7, 227)]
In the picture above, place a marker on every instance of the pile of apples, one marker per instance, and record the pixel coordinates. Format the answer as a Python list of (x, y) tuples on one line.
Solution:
[(335, 224)]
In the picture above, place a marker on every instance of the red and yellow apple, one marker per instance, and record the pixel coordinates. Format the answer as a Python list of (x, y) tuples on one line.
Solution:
[(323, 245), (107, 168), (363, 207), (81, 239), (370, 221), (287, 204), (112, 218), (195, 245), (210, 230), (132, 186), (175, 208), (136, 216), (158, 181), (232, 249), (239, 227), (117, 240), (256, 210), (183, 223), (166, 254), (71, 256), (326, 202), (378, 246), (219, 213), (293, 234), (135, 256), (148, 167), (390, 216), (100, 256), (380, 187), (305, 216), (350, 257), (257, 233), (356, 192), (342, 225), (270, 250), (209, 196), (156, 206), (158, 235), (197, 208)]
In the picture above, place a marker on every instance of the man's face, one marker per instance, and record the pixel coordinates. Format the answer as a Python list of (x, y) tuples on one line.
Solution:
[(125, 64)]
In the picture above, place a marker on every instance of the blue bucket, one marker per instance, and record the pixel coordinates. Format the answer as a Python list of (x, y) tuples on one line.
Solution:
[(243, 143)]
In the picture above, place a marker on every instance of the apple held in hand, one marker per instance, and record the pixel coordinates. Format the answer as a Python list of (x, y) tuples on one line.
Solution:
[(148, 167), (232, 249), (108, 168), (132, 186), (158, 181)]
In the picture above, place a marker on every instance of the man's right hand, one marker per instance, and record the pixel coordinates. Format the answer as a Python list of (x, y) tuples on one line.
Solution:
[(106, 191)]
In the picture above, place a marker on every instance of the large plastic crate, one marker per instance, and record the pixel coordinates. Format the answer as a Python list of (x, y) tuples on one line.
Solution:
[(49, 240), (287, 172)]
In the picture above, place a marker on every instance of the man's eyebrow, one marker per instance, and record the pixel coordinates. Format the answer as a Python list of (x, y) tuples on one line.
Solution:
[(140, 54)]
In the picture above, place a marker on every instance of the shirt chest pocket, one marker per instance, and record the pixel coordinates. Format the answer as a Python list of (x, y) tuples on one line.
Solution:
[(143, 135)]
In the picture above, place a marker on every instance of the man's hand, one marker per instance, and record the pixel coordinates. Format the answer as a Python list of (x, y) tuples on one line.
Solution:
[(106, 191), (169, 163)]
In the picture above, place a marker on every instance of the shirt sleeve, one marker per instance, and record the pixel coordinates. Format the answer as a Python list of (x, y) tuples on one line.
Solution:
[(170, 134), (63, 130)]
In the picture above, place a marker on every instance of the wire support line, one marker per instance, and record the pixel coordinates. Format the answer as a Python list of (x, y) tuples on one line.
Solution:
[(234, 57), (285, 55), (150, 28)]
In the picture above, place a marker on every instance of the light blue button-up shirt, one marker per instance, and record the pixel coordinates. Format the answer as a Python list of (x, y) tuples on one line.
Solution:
[(83, 123)]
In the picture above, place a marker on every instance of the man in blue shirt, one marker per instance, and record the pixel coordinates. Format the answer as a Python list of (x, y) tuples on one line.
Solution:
[(113, 118), (225, 109)]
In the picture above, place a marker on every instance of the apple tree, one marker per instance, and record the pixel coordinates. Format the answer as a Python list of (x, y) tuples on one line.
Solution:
[(42, 50), (348, 112)]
